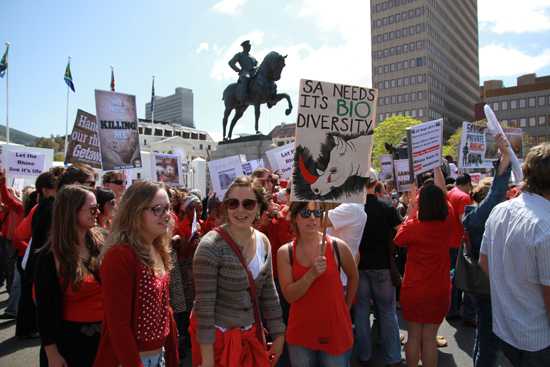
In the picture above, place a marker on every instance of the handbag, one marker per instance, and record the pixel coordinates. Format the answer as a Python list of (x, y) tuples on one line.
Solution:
[(469, 276), (251, 285)]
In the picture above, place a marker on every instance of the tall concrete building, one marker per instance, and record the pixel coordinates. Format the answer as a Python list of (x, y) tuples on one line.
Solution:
[(525, 105), (425, 59), (176, 109)]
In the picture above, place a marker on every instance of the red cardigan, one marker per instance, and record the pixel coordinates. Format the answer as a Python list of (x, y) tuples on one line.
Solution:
[(118, 346)]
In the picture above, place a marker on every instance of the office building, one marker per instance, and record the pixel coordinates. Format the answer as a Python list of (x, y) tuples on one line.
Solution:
[(176, 109), (425, 59)]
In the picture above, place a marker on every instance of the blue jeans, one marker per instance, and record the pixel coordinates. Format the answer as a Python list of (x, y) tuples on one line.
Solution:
[(15, 293), (156, 360), (486, 343), (304, 357), (523, 358), (377, 285)]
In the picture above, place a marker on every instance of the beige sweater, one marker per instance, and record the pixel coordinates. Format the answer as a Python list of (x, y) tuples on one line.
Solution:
[(221, 290)]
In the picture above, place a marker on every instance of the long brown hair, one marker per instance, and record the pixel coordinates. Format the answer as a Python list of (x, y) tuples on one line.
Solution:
[(128, 225), (64, 236)]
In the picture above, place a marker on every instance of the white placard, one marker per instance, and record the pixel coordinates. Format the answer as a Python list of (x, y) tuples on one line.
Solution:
[(402, 173), (250, 166), (334, 130), (223, 172), (281, 159), (167, 168), (425, 143), (19, 163), (386, 167)]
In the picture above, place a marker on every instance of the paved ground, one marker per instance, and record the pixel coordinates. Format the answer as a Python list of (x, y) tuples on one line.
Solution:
[(19, 353)]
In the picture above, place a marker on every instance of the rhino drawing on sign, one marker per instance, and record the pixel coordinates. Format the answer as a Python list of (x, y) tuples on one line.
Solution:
[(342, 167)]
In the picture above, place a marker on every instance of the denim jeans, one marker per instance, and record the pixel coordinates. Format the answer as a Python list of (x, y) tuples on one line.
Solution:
[(486, 343), (156, 360), (523, 358), (377, 285), (304, 357), (15, 293)]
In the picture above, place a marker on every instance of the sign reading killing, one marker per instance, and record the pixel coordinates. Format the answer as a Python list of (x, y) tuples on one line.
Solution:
[(83, 141), (334, 130), (118, 130)]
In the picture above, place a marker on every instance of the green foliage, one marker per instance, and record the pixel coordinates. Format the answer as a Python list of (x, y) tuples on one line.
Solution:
[(59, 157), (451, 148), (391, 131)]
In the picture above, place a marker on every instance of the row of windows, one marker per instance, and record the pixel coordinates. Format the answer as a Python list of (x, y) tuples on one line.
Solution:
[(169, 133), (532, 121), (520, 103), (402, 82), (419, 113), (536, 140), (396, 18), (401, 65), (398, 50), (400, 33), (390, 4), (201, 147), (402, 98)]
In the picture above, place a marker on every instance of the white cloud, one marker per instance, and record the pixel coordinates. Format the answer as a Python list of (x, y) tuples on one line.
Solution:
[(501, 61), (511, 16), (203, 47), (229, 7)]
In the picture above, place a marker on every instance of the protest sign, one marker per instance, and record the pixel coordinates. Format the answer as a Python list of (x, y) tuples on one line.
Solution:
[(83, 144), (167, 169), (118, 130), (250, 166), (281, 159), (473, 146), (425, 143), (515, 138), (402, 174), (19, 163), (386, 167), (223, 172), (334, 130)]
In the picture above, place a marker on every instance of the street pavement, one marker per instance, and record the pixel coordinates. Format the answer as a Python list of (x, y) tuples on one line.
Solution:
[(24, 353)]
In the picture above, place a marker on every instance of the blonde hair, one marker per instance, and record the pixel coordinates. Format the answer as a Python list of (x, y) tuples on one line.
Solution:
[(128, 225)]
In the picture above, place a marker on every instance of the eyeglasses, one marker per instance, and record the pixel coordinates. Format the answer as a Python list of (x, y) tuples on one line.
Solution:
[(159, 210), (118, 182), (248, 204), (306, 213), (94, 210)]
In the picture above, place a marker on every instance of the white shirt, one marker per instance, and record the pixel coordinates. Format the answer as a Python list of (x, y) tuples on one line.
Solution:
[(348, 222), (517, 244)]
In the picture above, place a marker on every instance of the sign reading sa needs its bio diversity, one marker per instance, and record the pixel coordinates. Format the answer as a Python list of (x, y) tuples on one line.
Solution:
[(425, 145), (84, 141), (334, 130)]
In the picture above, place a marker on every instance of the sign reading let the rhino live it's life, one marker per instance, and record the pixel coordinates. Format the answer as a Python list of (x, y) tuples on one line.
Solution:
[(334, 130), (21, 163)]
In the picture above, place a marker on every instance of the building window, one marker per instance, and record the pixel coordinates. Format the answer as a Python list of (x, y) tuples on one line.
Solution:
[(513, 104), (158, 132), (202, 137), (177, 133), (140, 131), (532, 122), (194, 136), (421, 112), (522, 103), (542, 120), (167, 132), (200, 146), (185, 135), (532, 102), (495, 106), (209, 147), (148, 131), (144, 141), (523, 122), (542, 100)]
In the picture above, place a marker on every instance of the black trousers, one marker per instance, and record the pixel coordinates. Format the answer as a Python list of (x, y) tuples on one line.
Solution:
[(77, 344)]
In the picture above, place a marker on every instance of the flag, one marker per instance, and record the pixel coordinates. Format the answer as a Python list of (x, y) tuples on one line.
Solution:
[(112, 79), (4, 62), (153, 97), (68, 76)]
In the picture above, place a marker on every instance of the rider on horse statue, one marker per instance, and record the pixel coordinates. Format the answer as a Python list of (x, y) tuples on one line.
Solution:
[(247, 69)]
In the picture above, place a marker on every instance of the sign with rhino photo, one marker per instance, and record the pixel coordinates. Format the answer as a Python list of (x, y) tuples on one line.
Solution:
[(334, 136)]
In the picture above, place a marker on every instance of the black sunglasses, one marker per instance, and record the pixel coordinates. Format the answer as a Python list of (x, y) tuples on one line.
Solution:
[(118, 182), (248, 204), (306, 213)]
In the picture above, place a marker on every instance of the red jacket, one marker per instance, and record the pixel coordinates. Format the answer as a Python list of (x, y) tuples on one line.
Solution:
[(118, 345), (15, 215)]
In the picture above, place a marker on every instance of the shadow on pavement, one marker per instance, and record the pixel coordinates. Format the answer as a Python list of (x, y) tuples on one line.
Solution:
[(13, 344)]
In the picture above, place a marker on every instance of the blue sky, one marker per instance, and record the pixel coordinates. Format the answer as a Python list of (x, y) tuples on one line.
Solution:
[(188, 43)]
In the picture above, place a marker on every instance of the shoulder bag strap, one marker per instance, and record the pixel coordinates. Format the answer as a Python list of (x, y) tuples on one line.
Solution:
[(251, 285)]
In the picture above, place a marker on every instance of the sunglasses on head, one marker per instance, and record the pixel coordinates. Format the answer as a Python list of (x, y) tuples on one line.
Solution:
[(248, 204), (306, 213)]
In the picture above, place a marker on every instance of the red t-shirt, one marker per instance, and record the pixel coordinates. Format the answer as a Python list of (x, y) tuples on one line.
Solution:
[(279, 232), (84, 305), (458, 200)]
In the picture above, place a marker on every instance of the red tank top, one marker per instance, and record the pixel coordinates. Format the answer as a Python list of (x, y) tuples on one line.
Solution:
[(85, 304), (320, 320)]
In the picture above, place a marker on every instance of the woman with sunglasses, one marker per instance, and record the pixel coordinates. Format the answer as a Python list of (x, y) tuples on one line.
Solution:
[(106, 204), (234, 288), (67, 286), (319, 331), (138, 325)]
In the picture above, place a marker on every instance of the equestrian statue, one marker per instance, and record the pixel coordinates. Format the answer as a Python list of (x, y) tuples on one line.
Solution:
[(255, 86)]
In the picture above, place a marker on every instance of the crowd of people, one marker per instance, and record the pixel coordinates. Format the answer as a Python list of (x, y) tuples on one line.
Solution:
[(114, 275)]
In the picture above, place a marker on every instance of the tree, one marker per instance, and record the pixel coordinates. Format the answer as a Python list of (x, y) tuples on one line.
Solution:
[(451, 148), (392, 130)]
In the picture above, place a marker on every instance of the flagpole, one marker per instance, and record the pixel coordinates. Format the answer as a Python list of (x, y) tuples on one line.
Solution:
[(67, 119), (7, 102)]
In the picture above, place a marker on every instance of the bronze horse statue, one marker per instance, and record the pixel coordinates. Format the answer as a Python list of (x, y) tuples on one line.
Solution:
[(261, 89)]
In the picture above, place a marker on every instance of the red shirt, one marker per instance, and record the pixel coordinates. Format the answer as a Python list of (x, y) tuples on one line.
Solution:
[(458, 200), (279, 232), (320, 319), (122, 277), (15, 215), (85, 304)]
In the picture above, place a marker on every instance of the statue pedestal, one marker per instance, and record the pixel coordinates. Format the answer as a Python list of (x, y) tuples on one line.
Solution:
[(253, 146)]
